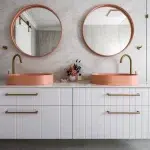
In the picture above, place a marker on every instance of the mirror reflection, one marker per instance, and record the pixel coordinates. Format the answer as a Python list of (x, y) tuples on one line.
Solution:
[(37, 31), (107, 31)]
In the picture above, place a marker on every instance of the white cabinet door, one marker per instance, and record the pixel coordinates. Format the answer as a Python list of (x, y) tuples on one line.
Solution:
[(88, 122), (137, 97), (56, 96), (98, 120), (28, 122), (127, 126), (88, 96), (117, 125), (110, 122), (117, 100), (56, 122), (38, 96), (7, 123), (82, 122), (139, 124)]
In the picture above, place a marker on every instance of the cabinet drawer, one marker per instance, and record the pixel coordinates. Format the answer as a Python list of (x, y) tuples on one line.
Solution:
[(111, 122), (20, 96), (35, 96), (56, 96), (111, 96), (127, 122), (21, 122), (126, 96), (36, 122), (88, 96)]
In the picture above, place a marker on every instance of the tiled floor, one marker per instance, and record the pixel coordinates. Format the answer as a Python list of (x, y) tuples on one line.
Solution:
[(74, 145)]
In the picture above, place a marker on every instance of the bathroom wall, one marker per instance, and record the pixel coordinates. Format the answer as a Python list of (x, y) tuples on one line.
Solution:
[(72, 13)]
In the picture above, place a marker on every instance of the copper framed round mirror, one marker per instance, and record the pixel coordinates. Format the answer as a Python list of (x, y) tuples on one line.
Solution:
[(36, 30), (107, 30)]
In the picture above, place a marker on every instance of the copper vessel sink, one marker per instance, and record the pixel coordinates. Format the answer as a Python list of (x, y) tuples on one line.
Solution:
[(115, 79), (30, 79)]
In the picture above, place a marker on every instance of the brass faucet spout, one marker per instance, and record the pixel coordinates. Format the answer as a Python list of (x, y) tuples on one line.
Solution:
[(13, 62), (126, 55)]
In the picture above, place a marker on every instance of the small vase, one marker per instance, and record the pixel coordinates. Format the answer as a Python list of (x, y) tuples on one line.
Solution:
[(72, 78)]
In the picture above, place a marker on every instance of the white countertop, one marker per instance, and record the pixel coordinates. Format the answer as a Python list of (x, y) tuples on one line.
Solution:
[(85, 84)]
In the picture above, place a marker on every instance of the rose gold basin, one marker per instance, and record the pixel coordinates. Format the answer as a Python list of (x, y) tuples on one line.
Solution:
[(29, 79), (115, 79)]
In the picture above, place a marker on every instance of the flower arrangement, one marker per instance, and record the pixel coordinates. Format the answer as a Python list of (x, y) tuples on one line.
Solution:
[(74, 69)]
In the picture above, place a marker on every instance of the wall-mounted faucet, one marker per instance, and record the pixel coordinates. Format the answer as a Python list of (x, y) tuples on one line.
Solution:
[(13, 62), (126, 55)]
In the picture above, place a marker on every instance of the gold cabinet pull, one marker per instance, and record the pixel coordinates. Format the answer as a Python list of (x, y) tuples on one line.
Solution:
[(21, 112), (109, 94), (123, 113), (15, 94)]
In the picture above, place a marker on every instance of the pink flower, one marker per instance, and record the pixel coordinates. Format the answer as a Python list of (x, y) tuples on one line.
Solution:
[(74, 72)]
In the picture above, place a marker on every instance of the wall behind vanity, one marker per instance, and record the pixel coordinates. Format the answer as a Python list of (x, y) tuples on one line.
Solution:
[(72, 13)]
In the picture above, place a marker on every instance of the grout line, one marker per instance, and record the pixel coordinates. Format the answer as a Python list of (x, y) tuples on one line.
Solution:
[(146, 44)]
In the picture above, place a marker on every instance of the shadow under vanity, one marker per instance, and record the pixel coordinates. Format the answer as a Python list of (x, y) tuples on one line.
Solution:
[(108, 106)]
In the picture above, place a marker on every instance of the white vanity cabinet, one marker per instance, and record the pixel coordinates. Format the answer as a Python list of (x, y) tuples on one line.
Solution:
[(111, 113), (35, 113), (75, 113)]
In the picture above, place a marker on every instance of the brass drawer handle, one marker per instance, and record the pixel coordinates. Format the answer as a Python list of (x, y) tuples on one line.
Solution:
[(33, 94), (109, 94), (123, 113), (21, 112)]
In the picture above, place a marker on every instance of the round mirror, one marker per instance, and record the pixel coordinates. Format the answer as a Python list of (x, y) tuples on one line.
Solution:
[(36, 30), (108, 30)]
